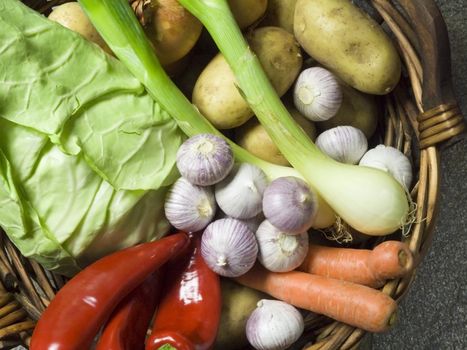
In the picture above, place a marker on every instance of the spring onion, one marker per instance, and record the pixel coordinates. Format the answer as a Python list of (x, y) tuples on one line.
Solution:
[(369, 200)]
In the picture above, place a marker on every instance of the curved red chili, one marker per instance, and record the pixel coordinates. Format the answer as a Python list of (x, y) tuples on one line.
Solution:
[(189, 312), (82, 306), (129, 322)]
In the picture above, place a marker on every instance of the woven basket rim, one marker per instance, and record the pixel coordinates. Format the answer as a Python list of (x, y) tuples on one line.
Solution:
[(411, 124)]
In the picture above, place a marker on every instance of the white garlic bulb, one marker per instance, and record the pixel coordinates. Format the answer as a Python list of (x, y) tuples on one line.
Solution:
[(346, 144), (189, 207), (274, 325), (240, 194), (317, 94), (205, 159), (280, 251), (391, 160)]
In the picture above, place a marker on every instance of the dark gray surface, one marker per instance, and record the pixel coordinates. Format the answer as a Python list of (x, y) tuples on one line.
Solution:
[(434, 313)]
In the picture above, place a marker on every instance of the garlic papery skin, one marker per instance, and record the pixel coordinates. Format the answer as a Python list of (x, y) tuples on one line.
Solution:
[(240, 194), (280, 251), (346, 144), (228, 247), (205, 159), (274, 325), (317, 94), (189, 207), (391, 160), (290, 205), (252, 223)]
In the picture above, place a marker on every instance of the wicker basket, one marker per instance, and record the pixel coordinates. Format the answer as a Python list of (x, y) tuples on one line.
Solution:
[(419, 115)]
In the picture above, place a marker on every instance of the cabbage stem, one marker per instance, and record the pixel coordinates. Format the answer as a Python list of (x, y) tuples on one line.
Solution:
[(370, 200)]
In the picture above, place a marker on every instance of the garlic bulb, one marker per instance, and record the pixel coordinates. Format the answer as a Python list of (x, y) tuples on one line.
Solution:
[(278, 250), (240, 194), (228, 247), (391, 160), (274, 325), (317, 94), (289, 204), (346, 144), (205, 159), (189, 207)]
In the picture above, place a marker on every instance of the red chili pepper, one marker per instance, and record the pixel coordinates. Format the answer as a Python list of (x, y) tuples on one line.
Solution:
[(82, 306), (129, 322), (189, 312)]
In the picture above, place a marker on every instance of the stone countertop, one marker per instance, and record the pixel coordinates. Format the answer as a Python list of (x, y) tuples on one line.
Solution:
[(433, 315)]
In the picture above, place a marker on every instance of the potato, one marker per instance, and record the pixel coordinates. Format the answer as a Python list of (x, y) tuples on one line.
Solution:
[(72, 16), (238, 302), (247, 12), (350, 43), (358, 110), (253, 137), (216, 93), (172, 30), (280, 13)]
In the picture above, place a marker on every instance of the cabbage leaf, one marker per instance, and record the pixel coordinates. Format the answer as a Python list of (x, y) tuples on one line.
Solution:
[(85, 153)]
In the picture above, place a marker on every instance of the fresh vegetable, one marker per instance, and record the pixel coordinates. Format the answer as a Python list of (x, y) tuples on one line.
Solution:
[(86, 301), (350, 43), (252, 223), (190, 309), (289, 204), (247, 12), (358, 110), (189, 207), (280, 251), (253, 137), (353, 192), (84, 159), (350, 303), (240, 194), (280, 13), (274, 325), (317, 94), (229, 247), (388, 260), (205, 159), (142, 62), (349, 190), (238, 302), (129, 322), (345, 144), (71, 16), (391, 160), (172, 30), (216, 92)]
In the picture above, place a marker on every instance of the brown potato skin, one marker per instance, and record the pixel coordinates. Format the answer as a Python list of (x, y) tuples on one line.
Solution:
[(253, 137), (71, 16), (358, 110), (216, 93), (172, 30), (280, 13), (247, 12), (349, 42)]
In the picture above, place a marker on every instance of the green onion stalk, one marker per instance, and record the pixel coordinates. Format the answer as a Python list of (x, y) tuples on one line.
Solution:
[(369, 200)]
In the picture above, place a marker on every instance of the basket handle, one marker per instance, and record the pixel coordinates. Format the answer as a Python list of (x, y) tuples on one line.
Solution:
[(442, 118)]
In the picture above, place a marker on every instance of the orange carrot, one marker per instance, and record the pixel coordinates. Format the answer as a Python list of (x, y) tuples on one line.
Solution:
[(388, 260), (350, 303)]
